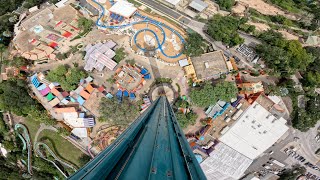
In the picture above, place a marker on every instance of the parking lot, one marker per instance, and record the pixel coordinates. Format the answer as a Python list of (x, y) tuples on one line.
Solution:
[(304, 146)]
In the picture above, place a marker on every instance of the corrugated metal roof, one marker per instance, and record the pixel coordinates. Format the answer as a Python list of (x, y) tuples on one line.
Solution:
[(198, 5)]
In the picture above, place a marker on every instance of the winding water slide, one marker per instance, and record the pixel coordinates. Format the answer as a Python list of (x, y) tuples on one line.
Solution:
[(38, 151), (24, 136), (146, 19)]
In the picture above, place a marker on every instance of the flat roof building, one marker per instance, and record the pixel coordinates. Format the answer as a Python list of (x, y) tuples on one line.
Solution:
[(254, 131), (225, 163), (207, 66), (123, 8), (99, 56), (173, 3), (198, 5)]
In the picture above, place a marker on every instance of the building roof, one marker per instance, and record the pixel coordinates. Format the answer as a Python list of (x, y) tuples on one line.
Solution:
[(225, 163), (101, 88), (210, 65), (123, 8), (98, 56), (183, 62), (254, 131), (84, 94), (173, 2), (41, 17), (89, 88), (61, 3), (198, 5), (50, 96), (88, 6), (92, 104), (312, 40), (80, 132), (65, 110), (80, 100), (54, 102)]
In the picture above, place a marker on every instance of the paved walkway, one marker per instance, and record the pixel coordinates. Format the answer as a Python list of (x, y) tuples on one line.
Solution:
[(43, 127)]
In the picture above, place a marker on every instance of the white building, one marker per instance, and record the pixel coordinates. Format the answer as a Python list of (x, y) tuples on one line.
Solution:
[(225, 163), (254, 131)]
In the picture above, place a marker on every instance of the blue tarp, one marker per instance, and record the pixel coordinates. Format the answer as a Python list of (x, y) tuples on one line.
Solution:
[(144, 71), (147, 76), (132, 96), (121, 18), (126, 93), (119, 93), (80, 100)]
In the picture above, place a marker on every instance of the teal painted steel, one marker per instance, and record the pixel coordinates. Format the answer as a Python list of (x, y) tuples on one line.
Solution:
[(153, 147)]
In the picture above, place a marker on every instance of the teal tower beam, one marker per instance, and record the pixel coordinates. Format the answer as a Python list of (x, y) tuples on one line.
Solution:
[(152, 147)]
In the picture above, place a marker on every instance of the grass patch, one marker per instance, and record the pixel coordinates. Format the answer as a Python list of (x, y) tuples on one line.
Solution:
[(33, 127), (62, 147)]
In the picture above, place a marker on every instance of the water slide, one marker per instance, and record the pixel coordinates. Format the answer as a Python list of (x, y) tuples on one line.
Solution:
[(146, 19), (38, 151), (24, 136)]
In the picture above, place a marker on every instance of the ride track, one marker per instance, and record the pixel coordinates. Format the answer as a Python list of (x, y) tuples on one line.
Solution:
[(26, 144), (37, 146), (145, 20)]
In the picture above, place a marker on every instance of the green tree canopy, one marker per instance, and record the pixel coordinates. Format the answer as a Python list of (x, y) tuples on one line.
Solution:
[(120, 54), (209, 94), (186, 119), (85, 24), (225, 4), (284, 56), (68, 78), (113, 112), (14, 97), (195, 45), (224, 28)]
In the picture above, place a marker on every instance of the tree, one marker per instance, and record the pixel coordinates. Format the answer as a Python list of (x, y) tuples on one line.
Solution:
[(132, 62), (284, 56), (292, 173), (85, 24), (186, 119), (84, 159), (120, 54), (225, 4), (16, 62), (224, 28), (63, 132), (68, 78), (14, 97), (209, 94), (195, 45), (113, 112)]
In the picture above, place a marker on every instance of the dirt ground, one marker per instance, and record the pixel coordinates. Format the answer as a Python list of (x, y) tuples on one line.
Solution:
[(288, 35), (259, 26), (266, 8)]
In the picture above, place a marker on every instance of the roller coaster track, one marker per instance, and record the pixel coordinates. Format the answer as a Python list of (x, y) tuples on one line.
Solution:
[(37, 149), (26, 143), (145, 20)]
